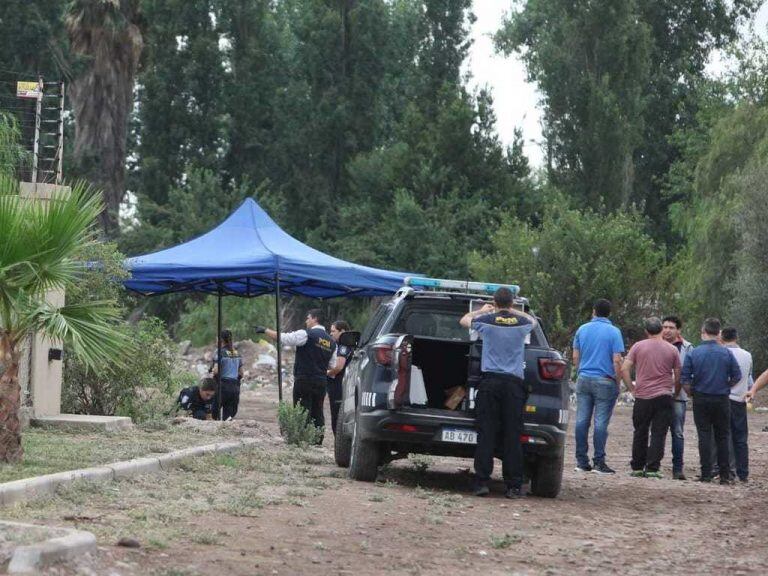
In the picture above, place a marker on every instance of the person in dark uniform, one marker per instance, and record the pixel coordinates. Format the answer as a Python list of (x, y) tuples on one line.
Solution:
[(336, 374), (315, 355), (502, 392), (231, 374), (198, 400)]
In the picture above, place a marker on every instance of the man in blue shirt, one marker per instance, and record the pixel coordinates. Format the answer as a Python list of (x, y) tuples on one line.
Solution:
[(709, 372), (502, 393), (597, 349)]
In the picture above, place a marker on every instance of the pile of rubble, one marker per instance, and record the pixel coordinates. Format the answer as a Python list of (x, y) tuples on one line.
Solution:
[(259, 362)]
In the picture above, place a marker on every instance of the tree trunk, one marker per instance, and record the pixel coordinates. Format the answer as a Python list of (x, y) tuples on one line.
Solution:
[(102, 101), (10, 401)]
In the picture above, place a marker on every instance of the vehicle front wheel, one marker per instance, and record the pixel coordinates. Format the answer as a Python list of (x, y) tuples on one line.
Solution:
[(547, 477), (364, 461), (342, 445)]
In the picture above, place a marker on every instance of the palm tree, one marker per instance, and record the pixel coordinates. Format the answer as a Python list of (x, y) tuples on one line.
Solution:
[(107, 35), (38, 244)]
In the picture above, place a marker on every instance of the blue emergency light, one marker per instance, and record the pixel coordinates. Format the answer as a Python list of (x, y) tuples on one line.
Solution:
[(442, 284)]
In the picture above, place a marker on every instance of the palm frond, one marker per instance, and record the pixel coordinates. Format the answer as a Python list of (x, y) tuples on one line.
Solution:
[(38, 248), (90, 329)]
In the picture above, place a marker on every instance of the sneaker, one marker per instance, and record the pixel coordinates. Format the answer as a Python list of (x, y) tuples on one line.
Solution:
[(514, 493), (637, 473), (585, 468), (482, 490), (654, 474), (602, 468), (678, 476)]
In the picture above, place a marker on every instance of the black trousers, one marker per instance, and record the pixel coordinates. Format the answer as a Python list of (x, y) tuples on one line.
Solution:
[(500, 403), (334, 400), (230, 399), (712, 415), (310, 394), (654, 415), (738, 448)]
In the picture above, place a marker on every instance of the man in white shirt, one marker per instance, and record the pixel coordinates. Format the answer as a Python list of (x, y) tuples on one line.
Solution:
[(315, 354), (739, 430)]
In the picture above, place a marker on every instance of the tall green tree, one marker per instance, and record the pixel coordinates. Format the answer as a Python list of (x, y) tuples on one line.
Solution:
[(618, 78)]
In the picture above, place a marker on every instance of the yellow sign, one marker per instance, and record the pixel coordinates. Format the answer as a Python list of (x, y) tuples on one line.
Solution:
[(530, 409), (28, 90)]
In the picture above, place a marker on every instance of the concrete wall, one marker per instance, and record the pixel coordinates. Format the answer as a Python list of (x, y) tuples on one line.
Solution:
[(44, 374)]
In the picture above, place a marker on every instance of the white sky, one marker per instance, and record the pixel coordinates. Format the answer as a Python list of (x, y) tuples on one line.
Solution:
[(515, 100)]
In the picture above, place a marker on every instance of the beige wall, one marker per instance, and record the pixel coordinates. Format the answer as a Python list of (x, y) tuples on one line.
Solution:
[(45, 375)]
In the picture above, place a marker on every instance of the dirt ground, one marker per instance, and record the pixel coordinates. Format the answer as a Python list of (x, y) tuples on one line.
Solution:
[(421, 518)]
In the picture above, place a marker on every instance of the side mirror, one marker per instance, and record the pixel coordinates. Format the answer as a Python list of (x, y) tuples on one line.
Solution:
[(349, 338)]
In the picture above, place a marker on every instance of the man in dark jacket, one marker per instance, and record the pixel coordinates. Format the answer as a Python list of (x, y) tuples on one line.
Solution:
[(315, 355), (709, 372), (198, 400)]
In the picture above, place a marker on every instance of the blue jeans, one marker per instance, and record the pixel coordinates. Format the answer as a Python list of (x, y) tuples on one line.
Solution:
[(678, 441), (594, 395)]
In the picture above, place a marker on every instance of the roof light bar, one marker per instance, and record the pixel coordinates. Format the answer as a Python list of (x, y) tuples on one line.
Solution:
[(442, 284)]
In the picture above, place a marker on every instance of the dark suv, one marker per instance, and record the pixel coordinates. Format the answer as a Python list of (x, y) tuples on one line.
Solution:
[(417, 335)]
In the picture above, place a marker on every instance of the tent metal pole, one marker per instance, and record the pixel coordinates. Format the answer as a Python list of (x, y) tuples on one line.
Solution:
[(277, 341), (218, 357)]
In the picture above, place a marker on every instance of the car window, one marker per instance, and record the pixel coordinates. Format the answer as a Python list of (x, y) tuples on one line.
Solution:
[(422, 320), (374, 324)]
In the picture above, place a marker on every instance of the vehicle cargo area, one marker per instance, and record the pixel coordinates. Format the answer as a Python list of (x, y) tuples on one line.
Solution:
[(442, 366)]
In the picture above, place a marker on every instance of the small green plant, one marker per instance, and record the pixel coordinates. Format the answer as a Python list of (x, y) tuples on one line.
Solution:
[(505, 541), (295, 425), (205, 538), (420, 462)]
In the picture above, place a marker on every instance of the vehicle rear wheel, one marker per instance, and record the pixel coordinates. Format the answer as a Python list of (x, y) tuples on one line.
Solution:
[(342, 445), (547, 477), (364, 461)]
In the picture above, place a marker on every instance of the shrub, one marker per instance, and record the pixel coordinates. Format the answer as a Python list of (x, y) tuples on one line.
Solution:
[(144, 388), (295, 425)]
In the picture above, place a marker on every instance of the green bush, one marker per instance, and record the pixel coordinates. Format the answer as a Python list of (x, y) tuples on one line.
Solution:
[(572, 259), (146, 383), (198, 321), (144, 387), (295, 425)]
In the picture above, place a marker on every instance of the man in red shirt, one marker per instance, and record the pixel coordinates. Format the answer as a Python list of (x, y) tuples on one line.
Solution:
[(657, 379)]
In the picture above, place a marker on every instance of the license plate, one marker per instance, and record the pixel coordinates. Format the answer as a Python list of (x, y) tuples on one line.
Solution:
[(459, 435)]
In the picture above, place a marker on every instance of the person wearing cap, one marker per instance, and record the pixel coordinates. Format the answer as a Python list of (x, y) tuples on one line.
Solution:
[(502, 393)]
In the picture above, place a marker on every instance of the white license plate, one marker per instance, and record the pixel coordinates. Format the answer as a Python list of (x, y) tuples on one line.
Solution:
[(459, 435)]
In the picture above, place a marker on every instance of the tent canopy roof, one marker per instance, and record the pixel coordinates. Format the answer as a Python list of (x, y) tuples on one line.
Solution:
[(245, 255)]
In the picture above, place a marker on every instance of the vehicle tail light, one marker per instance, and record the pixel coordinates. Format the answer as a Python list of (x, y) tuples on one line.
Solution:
[(400, 388), (383, 353), (552, 368), (402, 427)]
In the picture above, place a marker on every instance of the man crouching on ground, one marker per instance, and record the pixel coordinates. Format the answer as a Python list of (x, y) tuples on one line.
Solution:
[(502, 393)]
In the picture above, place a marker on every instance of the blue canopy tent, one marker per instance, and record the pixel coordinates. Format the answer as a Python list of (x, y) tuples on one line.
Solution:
[(249, 255)]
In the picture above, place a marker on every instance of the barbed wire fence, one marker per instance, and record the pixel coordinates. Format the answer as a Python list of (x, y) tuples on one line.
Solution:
[(34, 109)]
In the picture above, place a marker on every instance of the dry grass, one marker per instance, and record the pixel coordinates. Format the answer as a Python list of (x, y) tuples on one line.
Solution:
[(162, 509), (48, 451)]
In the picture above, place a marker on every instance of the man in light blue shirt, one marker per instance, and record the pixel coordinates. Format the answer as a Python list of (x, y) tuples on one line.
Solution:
[(502, 394), (597, 349)]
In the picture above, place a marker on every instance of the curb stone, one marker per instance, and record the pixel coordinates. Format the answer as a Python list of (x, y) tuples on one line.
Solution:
[(42, 486), (28, 559)]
